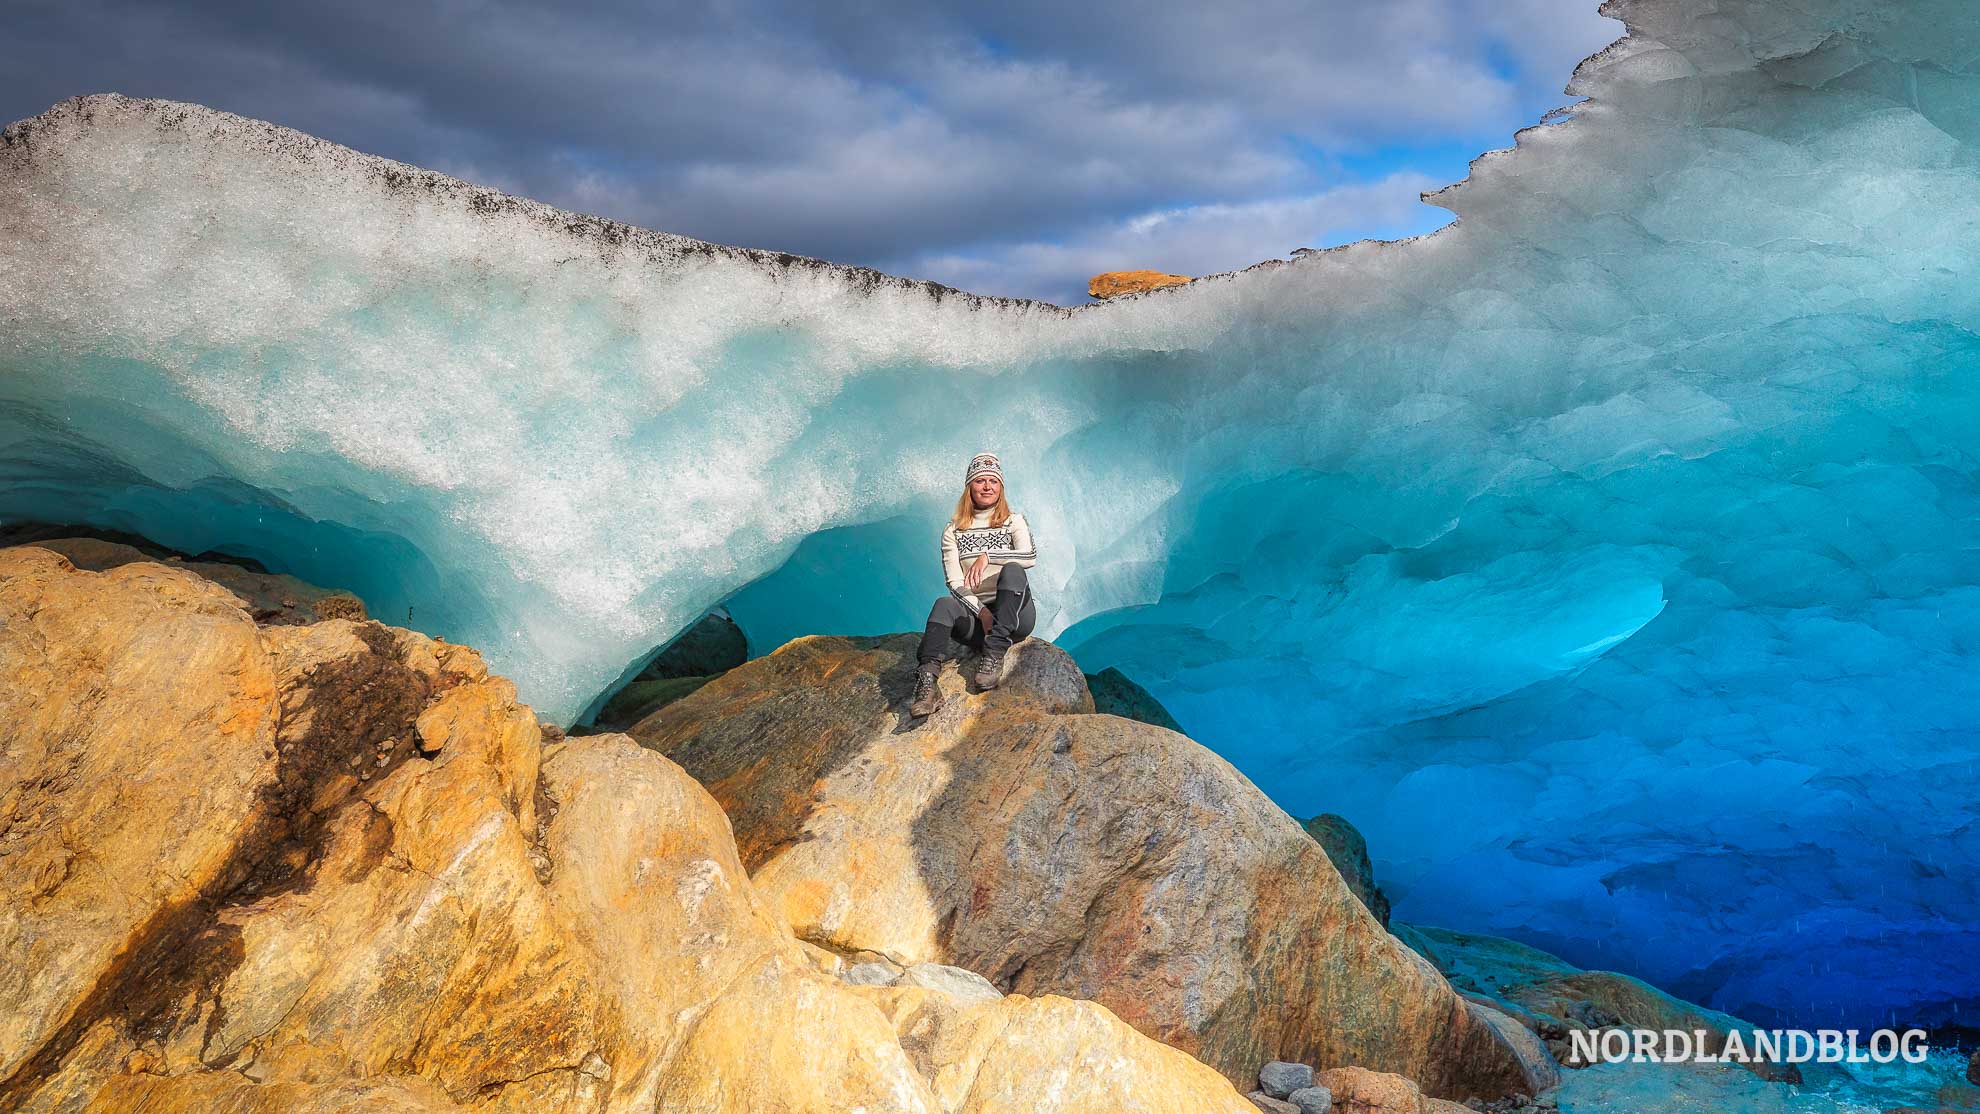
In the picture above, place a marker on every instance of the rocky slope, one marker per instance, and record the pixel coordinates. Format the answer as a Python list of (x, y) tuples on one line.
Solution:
[(1553, 997), (1056, 851), (336, 866)]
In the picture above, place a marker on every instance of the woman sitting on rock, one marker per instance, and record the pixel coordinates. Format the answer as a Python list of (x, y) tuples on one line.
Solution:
[(985, 549)]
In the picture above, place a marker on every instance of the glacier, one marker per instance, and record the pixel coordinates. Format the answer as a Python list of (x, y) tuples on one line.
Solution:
[(1610, 556)]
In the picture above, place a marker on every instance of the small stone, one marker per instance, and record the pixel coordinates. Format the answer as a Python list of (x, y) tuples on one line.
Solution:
[(384, 760), (356, 758), (1312, 1100), (1270, 1105), (1279, 1078), (964, 984), (872, 974)]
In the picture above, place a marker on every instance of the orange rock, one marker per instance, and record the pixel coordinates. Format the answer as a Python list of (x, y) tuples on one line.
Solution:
[(1360, 1091), (270, 597), (1113, 284), (1016, 834), (140, 711), (332, 867)]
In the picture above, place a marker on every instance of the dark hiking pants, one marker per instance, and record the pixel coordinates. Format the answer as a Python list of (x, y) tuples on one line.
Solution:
[(949, 621)]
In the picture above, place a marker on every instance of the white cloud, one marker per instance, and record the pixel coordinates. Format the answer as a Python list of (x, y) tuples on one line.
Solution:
[(949, 139)]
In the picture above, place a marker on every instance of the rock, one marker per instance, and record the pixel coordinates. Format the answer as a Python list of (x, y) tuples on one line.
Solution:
[(1312, 1100), (1541, 1069), (1349, 853), (1360, 1091), (271, 598), (1055, 851), (1016, 1055), (228, 1093), (1552, 995), (711, 646), (1973, 1068), (873, 974), (967, 985), (170, 765), (1958, 1096), (339, 605), (642, 698), (1280, 1078), (1270, 1105), (218, 916), (714, 644), (1113, 284), (1115, 695)]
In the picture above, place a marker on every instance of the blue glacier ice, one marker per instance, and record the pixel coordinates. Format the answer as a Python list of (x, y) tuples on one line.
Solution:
[(1611, 556)]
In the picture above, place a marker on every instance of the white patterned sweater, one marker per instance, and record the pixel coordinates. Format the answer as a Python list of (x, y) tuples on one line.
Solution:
[(1009, 544)]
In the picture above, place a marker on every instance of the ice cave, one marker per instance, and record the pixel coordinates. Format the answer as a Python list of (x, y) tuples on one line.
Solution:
[(1610, 556)]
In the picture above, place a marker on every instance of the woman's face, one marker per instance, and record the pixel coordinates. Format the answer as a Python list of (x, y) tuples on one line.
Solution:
[(985, 489)]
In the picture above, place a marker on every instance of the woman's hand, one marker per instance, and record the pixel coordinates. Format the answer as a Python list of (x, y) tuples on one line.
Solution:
[(973, 575)]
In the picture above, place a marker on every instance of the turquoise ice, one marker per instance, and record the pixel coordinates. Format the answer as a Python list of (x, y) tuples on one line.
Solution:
[(1611, 556)]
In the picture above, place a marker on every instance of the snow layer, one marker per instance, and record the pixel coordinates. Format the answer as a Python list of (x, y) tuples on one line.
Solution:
[(1611, 557)]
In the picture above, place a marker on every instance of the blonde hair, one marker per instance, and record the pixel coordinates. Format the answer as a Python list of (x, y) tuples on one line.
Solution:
[(965, 515)]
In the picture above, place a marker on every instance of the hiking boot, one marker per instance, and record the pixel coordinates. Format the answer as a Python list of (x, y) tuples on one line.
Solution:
[(990, 668), (927, 698)]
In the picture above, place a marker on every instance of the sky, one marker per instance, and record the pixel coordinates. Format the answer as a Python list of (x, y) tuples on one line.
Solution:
[(1013, 148)]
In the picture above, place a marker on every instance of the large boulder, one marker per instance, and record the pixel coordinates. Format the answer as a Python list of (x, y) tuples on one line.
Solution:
[(139, 712), (1057, 851), (1116, 695), (1554, 997), (1349, 852), (334, 867)]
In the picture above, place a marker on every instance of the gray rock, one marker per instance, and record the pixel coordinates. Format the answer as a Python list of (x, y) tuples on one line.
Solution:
[(1312, 1100), (1279, 1079), (967, 985), (1115, 695), (1349, 852), (713, 644), (1270, 1105), (1538, 1064), (872, 974)]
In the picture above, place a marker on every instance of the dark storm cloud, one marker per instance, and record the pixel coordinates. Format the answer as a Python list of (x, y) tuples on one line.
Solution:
[(1006, 145)]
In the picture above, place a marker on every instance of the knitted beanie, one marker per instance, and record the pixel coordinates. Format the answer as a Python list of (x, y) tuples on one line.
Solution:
[(981, 463)]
